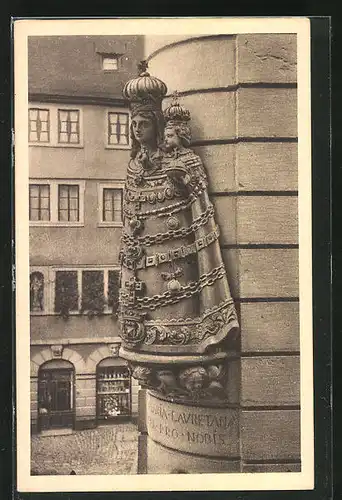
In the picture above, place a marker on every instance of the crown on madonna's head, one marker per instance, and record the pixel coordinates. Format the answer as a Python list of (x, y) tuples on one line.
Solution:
[(145, 90), (175, 113)]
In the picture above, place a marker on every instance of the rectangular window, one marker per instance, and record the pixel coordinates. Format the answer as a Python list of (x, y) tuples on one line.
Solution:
[(118, 129), (68, 126), (112, 205), (93, 291), (66, 292), (56, 203), (110, 63), (39, 125), (74, 291), (39, 202), (68, 202), (50, 125)]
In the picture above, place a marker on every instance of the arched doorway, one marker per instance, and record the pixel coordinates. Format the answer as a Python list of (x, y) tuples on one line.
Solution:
[(56, 395), (113, 391)]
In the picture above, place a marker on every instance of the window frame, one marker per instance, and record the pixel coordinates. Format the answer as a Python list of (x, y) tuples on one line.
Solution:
[(68, 210), (48, 121), (106, 128), (101, 187), (39, 198), (110, 56), (53, 110), (49, 273), (105, 269), (71, 312), (54, 202), (69, 133)]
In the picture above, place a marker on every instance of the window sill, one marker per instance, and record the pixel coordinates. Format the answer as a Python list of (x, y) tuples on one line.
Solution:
[(117, 146), (71, 314), (79, 340), (110, 224), (51, 145), (55, 224)]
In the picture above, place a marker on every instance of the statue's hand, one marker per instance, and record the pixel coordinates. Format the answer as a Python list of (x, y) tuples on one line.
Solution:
[(187, 179), (143, 159), (176, 170), (195, 178)]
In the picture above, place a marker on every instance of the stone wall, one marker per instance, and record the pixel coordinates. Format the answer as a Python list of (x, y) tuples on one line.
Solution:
[(241, 92)]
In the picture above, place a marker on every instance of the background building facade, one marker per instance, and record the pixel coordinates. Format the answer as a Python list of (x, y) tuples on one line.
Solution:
[(78, 153)]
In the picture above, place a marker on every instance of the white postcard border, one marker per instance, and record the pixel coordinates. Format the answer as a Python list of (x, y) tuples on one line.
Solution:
[(161, 482)]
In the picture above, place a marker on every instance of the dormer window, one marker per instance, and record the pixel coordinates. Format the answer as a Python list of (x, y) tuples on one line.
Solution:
[(110, 62)]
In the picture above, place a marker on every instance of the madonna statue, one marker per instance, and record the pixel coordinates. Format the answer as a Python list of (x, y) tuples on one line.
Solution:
[(176, 313)]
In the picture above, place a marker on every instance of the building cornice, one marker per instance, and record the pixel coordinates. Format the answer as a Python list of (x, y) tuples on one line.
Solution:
[(77, 99), (76, 341)]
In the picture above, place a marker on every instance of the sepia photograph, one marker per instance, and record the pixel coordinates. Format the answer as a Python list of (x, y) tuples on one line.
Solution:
[(163, 209)]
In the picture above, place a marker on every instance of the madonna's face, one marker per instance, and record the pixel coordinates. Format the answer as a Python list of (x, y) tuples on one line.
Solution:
[(143, 130)]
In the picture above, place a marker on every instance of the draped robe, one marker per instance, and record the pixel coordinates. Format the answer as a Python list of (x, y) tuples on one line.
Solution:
[(174, 292)]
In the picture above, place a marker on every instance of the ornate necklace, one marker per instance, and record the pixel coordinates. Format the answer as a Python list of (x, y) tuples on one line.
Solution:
[(145, 163)]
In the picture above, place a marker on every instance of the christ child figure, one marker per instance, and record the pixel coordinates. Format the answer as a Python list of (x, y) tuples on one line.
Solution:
[(183, 166)]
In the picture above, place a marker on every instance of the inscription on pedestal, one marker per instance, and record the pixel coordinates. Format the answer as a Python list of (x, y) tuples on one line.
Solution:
[(199, 430)]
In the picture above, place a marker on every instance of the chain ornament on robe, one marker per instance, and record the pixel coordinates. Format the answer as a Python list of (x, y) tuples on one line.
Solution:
[(161, 211), (155, 239), (169, 298), (182, 252)]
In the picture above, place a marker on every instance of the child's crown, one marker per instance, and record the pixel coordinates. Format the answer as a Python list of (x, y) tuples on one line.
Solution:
[(175, 113)]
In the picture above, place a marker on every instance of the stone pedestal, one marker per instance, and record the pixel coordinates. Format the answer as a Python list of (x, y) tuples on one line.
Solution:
[(188, 439), (157, 459)]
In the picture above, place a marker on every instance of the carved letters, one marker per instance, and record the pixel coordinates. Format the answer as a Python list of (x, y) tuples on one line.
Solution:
[(213, 431)]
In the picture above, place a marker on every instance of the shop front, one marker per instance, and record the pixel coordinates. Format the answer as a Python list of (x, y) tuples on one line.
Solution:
[(113, 390)]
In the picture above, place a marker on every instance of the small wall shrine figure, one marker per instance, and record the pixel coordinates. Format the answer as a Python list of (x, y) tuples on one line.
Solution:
[(36, 292)]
